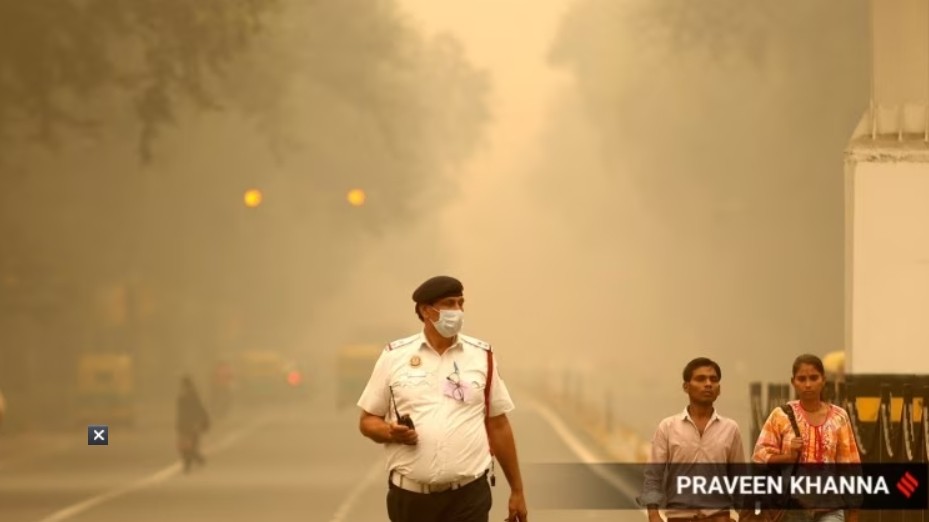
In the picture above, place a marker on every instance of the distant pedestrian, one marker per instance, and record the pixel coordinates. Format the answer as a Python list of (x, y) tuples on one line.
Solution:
[(192, 422)]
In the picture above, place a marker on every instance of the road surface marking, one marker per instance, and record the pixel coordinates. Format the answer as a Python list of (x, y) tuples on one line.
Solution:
[(153, 479), (583, 452), (376, 472)]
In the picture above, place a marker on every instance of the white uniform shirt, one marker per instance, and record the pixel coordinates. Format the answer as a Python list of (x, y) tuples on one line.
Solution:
[(452, 441)]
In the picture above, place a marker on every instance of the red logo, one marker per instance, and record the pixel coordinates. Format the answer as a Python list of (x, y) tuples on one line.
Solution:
[(907, 485)]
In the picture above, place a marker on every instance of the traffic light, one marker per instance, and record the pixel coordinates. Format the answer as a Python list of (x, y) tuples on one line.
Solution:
[(252, 198), (356, 197)]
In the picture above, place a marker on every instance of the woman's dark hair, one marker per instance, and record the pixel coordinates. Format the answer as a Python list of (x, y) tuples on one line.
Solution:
[(810, 359), (815, 362)]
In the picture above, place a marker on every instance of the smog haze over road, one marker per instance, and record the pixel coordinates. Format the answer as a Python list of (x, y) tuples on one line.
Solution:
[(621, 187)]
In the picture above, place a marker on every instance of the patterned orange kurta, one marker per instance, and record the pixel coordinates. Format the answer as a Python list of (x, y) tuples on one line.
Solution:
[(833, 441)]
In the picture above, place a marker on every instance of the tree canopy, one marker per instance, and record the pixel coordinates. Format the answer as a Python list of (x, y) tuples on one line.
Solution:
[(303, 100), (57, 55), (722, 126)]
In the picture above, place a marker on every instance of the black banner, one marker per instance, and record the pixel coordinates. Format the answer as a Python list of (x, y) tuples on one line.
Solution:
[(614, 486)]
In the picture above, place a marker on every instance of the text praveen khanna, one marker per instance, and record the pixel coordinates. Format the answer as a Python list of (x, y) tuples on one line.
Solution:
[(761, 485)]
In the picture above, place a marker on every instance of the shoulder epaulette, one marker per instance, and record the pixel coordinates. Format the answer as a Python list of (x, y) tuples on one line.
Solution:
[(401, 342), (476, 342)]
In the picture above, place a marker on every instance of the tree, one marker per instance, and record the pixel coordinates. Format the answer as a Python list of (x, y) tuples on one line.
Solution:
[(352, 77), (59, 55), (305, 100), (723, 125)]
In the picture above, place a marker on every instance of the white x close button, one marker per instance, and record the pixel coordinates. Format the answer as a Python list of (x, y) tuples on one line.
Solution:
[(98, 435)]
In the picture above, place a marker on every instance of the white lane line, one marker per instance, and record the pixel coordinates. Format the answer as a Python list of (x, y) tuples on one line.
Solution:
[(376, 472), (583, 452), (150, 480)]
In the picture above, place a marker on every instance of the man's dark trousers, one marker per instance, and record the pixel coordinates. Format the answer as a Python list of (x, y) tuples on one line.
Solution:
[(469, 503)]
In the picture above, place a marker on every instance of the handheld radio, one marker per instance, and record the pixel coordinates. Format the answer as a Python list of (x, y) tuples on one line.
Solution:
[(404, 420)]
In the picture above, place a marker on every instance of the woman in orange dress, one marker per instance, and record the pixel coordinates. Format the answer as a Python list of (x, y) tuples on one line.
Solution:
[(826, 435)]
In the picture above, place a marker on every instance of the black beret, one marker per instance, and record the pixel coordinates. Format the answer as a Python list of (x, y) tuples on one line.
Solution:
[(437, 288)]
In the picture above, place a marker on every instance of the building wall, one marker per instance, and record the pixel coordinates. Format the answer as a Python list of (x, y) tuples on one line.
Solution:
[(888, 259)]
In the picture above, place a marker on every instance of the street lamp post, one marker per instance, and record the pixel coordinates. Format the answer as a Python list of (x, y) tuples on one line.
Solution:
[(250, 269)]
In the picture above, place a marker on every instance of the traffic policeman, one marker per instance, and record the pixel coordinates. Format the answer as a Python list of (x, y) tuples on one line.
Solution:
[(429, 403)]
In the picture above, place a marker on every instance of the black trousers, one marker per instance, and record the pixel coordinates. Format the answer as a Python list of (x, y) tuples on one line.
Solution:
[(469, 503)]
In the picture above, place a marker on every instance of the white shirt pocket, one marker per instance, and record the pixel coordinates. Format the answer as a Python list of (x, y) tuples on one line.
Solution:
[(476, 381)]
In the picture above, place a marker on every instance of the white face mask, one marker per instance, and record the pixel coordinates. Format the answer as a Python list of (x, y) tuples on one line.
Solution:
[(449, 323)]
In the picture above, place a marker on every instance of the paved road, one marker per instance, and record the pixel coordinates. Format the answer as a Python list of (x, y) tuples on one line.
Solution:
[(287, 463)]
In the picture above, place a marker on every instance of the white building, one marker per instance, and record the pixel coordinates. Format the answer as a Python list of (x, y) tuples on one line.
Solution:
[(887, 201)]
